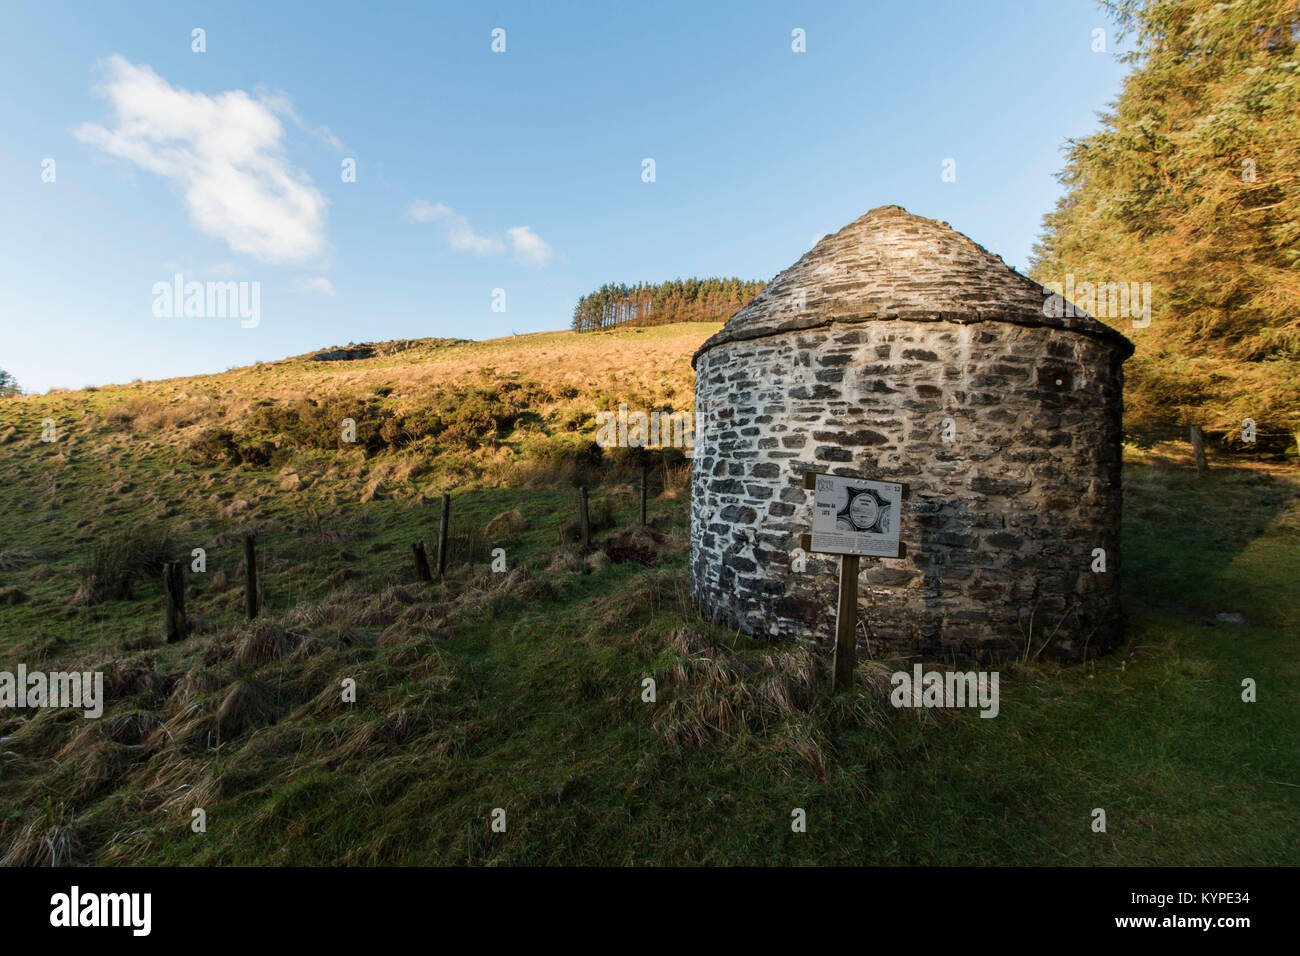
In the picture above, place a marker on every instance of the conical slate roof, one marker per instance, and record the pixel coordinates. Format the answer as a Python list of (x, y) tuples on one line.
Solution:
[(890, 264)]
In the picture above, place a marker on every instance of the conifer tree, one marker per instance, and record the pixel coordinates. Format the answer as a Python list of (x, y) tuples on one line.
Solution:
[(1193, 184)]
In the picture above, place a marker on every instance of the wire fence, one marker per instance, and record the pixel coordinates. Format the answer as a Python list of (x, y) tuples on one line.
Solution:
[(303, 559), (300, 557), (1234, 437)]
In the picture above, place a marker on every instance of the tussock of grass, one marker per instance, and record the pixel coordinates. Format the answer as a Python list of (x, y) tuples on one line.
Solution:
[(566, 561), (195, 683), (247, 705), (645, 596), (90, 770), (12, 596), (136, 677), (131, 728), (644, 546), (677, 480), (507, 525), (11, 559), (264, 641), (717, 696), (54, 838), (192, 729), (120, 560)]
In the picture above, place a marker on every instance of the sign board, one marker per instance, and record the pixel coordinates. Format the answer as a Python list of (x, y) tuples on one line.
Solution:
[(855, 515)]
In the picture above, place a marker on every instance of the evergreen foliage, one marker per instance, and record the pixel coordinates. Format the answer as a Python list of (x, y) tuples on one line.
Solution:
[(681, 300), (1192, 184)]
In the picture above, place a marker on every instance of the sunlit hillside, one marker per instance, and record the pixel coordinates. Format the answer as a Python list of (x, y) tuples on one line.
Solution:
[(518, 681)]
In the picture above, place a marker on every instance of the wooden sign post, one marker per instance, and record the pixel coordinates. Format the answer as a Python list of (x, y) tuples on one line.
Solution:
[(852, 517), (846, 623)]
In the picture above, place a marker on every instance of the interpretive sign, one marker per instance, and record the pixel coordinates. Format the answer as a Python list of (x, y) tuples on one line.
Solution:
[(855, 515), (852, 517)]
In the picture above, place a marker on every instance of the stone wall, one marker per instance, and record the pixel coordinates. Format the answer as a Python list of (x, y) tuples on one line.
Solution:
[(1000, 524)]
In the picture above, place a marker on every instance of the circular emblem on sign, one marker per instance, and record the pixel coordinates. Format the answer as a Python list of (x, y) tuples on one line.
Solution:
[(867, 511), (864, 511)]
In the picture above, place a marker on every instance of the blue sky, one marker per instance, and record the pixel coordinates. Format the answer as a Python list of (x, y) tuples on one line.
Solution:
[(478, 170)]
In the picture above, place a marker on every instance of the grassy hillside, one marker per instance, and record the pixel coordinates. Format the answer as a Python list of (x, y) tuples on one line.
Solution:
[(522, 690)]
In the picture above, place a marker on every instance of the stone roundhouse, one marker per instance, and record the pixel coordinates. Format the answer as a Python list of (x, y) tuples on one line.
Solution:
[(898, 349)]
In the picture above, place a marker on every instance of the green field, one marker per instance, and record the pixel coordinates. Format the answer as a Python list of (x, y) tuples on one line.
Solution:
[(522, 690)]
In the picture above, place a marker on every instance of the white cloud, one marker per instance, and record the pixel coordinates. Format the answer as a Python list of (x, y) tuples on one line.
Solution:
[(421, 211), (314, 284), (227, 154), (528, 247), (279, 102), (460, 233)]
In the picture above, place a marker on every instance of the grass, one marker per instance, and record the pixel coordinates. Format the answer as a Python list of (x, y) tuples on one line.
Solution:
[(523, 690)]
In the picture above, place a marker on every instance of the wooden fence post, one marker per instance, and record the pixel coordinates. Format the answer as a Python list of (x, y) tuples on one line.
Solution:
[(643, 483), (250, 577), (421, 562), (584, 520), (174, 588), (1198, 449), (444, 520), (846, 623)]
